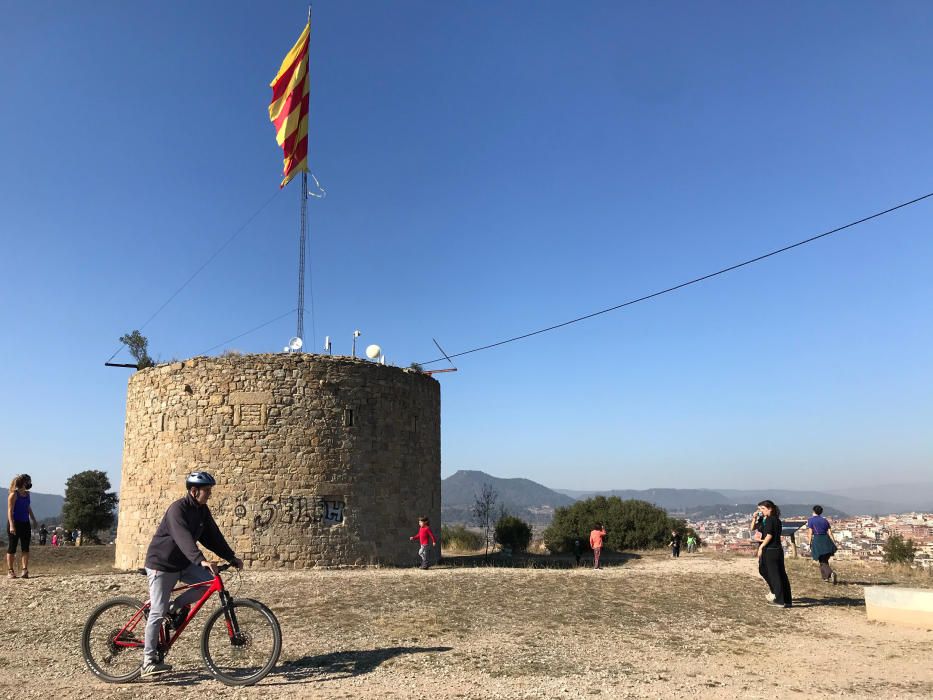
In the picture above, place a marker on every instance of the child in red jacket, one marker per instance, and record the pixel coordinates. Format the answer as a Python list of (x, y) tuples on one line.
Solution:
[(424, 536)]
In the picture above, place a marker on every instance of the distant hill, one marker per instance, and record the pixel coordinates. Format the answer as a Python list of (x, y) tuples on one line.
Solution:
[(906, 497), (669, 499), (795, 511), (535, 503), (46, 505), (523, 498), (690, 500), (853, 506)]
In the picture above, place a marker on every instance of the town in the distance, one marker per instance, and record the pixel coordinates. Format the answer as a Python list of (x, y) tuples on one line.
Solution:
[(858, 537), (722, 518)]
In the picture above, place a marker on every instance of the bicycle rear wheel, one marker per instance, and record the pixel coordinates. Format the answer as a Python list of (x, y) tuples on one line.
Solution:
[(112, 650), (246, 658)]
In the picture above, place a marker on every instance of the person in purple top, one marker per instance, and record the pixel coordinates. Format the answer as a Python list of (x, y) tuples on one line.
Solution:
[(18, 516), (822, 543)]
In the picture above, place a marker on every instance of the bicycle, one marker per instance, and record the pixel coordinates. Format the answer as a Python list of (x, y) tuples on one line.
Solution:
[(239, 652)]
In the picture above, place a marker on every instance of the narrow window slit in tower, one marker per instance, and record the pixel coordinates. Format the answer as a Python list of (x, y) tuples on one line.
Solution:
[(348, 417)]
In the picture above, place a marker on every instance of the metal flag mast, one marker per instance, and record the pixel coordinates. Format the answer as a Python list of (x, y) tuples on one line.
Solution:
[(302, 248), (303, 220)]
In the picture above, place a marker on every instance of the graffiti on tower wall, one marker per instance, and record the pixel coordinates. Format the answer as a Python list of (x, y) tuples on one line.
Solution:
[(286, 510)]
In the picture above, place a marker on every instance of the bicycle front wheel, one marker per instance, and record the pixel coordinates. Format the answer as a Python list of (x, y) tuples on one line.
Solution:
[(112, 641), (244, 658)]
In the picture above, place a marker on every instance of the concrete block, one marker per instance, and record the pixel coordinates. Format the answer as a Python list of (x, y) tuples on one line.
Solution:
[(900, 605)]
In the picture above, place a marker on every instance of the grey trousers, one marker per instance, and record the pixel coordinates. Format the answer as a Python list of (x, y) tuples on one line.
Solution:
[(425, 553), (161, 584)]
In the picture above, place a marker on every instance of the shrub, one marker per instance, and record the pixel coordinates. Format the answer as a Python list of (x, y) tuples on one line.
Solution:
[(513, 532), (630, 524), (897, 550), (458, 537), (138, 346)]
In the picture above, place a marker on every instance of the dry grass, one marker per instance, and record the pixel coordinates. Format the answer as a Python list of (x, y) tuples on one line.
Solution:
[(530, 626)]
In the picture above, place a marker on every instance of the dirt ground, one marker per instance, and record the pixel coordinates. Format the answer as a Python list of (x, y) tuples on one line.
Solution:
[(646, 626)]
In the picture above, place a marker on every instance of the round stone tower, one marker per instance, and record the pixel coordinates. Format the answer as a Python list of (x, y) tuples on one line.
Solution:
[(320, 460)]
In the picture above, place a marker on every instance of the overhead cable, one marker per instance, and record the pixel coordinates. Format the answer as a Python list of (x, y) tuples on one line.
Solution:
[(685, 284), (251, 330), (207, 262)]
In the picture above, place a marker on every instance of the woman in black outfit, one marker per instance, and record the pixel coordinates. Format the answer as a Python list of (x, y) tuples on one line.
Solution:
[(771, 555)]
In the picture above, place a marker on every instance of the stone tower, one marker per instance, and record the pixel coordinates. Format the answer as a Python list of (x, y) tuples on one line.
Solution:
[(320, 460)]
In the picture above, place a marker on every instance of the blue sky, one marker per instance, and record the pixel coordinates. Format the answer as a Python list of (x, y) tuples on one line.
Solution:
[(491, 168)]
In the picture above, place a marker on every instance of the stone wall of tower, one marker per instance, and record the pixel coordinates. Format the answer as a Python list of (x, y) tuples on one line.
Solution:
[(320, 460)]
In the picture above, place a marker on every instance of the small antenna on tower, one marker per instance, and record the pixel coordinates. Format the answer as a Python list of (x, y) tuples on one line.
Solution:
[(327, 344), (452, 368)]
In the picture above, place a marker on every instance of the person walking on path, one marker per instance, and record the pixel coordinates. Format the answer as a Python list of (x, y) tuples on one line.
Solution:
[(18, 516), (822, 543), (173, 554), (43, 534), (691, 543), (597, 537), (771, 555), (424, 536), (675, 544), (577, 550)]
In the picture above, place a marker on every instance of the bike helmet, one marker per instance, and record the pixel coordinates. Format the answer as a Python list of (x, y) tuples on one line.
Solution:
[(200, 479)]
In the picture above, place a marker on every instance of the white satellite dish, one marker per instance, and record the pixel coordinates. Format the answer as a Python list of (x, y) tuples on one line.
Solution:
[(373, 351), (295, 344)]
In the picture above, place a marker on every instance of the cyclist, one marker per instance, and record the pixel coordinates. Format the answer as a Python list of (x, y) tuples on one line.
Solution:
[(173, 554)]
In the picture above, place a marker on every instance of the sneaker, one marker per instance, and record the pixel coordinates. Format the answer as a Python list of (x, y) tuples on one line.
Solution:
[(155, 669), (25, 573), (775, 604), (12, 574), (770, 597), (834, 579)]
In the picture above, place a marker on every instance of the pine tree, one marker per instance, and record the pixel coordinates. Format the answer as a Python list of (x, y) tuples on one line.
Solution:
[(89, 504)]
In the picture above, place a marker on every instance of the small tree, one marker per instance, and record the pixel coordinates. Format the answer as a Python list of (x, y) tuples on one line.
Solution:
[(89, 504), (138, 345), (483, 512), (513, 532), (897, 550), (631, 524)]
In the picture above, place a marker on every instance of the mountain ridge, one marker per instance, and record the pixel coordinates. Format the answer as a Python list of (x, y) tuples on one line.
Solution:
[(535, 502), (524, 498)]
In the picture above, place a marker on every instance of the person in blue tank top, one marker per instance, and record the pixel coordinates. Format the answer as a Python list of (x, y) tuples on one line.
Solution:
[(18, 517)]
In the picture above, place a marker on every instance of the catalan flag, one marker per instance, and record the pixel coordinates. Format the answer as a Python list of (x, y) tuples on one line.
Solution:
[(289, 107)]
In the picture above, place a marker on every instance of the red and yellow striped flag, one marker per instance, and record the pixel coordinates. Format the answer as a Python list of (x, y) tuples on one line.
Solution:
[(289, 107)]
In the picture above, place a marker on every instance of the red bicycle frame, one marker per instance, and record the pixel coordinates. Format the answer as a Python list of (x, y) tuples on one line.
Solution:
[(166, 640)]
